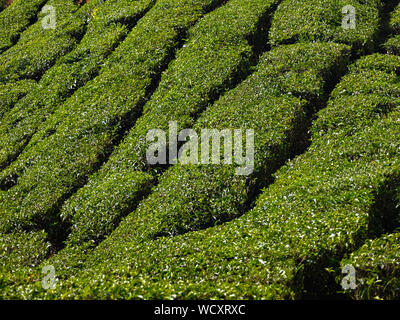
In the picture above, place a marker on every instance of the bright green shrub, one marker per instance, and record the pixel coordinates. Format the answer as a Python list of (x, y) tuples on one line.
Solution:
[(228, 38), (380, 62), (100, 215), (393, 44), (321, 20), (72, 71), (15, 19), (377, 265), (10, 93), (87, 124), (196, 78), (322, 205), (131, 155), (38, 48), (266, 102)]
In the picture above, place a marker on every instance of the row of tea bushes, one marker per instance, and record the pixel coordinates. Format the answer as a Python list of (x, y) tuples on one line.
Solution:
[(258, 255), (110, 25), (214, 29), (322, 204), (94, 231), (140, 57), (97, 208), (35, 244), (377, 94), (21, 253), (393, 44), (265, 253), (318, 208)]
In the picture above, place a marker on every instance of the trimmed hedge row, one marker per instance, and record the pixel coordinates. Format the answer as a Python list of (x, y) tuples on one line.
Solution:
[(189, 197), (198, 75), (38, 48), (10, 93), (322, 204), (321, 20), (377, 265), (105, 31), (76, 138), (15, 19)]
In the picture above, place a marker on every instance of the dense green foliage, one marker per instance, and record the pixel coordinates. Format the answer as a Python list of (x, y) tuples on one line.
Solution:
[(21, 253), (76, 189), (82, 129), (180, 106), (320, 206), (13, 257), (87, 134), (393, 44), (196, 76)]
